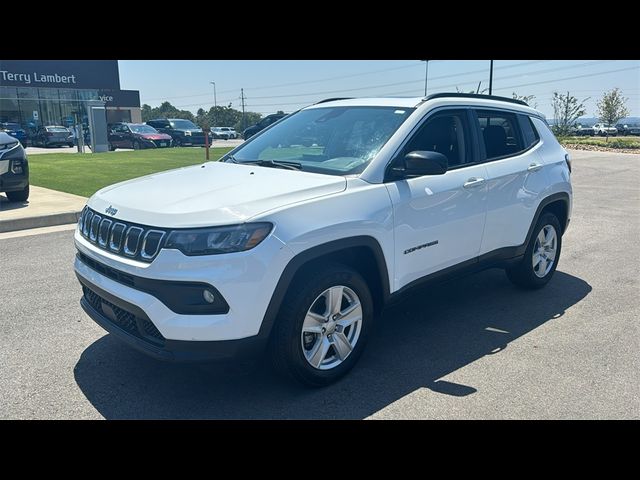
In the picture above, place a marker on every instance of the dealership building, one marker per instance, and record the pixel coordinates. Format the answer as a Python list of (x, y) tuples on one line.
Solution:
[(36, 93)]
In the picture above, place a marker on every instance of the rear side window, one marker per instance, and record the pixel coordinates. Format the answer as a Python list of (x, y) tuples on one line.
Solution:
[(500, 132), (529, 132)]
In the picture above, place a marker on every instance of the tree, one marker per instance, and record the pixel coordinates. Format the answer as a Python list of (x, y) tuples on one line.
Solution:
[(528, 99), (612, 107), (566, 110), (165, 110)]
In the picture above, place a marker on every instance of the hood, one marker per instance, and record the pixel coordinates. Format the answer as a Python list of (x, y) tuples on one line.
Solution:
[(211, 194), (155, 136)]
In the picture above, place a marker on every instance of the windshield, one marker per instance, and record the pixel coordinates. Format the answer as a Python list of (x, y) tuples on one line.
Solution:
[(331, 140), (183, 124), (142, 129)]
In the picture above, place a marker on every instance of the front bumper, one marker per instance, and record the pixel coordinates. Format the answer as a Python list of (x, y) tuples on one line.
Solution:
[(246, 280), (131, 325)]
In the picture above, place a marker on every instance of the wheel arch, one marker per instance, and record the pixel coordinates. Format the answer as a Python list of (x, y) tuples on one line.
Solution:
[(363, 253), (558, 204)]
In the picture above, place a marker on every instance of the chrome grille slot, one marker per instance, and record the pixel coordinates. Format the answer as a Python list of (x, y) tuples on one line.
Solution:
[(87, 223), (151, 243), (117, 236), (132, 240), (95, 224), (103, 232)]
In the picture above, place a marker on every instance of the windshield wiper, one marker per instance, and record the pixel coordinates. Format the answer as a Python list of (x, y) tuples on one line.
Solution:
[(276, 164)]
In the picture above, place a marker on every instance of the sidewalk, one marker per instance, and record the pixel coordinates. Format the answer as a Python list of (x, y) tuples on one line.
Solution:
[(44, 208)]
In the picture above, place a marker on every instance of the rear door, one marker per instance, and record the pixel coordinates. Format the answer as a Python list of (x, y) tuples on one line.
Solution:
[(516, 176)]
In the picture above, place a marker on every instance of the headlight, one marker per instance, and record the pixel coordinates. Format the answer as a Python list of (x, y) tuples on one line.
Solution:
[(212, 241), (8, 146)]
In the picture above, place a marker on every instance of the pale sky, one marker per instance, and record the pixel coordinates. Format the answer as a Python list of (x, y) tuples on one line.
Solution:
[(271, 85)]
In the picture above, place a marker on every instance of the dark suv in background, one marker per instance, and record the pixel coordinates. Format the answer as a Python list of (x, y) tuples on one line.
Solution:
[(262, 124), (183, 132)]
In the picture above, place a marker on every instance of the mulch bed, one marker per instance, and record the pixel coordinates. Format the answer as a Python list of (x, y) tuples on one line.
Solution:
[(598, 148)]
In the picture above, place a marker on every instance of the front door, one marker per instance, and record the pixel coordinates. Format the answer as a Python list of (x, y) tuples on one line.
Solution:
[(439, 220)]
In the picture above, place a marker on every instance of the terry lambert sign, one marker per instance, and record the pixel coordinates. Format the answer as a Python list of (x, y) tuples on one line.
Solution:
[(86, 74)]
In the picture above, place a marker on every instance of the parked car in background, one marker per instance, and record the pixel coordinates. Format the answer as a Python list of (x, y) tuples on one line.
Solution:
[(231, 131), (262, 124), (603, 129), (137, 136), (220, 133), (582, 131), (53, 136), (14, 169), (183, 132), (16, 131), (628, 128)]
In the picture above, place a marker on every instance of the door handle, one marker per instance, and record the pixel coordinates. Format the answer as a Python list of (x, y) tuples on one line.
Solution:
[(474, 182), (534, 167)]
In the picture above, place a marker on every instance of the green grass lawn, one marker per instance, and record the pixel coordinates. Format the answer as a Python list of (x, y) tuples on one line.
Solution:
[(84, 174)]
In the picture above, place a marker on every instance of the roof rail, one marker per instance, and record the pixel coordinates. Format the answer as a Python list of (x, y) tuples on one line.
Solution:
[(333, 99), (475, 95)]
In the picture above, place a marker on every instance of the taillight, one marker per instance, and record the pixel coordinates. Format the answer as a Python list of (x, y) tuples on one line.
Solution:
[(568, 160)]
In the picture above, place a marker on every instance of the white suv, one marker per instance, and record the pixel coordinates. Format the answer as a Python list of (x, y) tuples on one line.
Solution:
[(603, 129), (296, 240)]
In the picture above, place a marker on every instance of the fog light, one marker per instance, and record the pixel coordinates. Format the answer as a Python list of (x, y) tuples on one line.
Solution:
[(208, 296), (16, 167)]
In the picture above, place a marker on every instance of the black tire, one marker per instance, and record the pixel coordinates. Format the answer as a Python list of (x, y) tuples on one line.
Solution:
[(136, 145), (70, 145), (177, 142), (285, 343), (19, 196), (523, 274), (112, 148)]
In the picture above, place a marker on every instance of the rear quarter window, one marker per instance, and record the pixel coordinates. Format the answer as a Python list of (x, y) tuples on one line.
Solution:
[(529, 132)]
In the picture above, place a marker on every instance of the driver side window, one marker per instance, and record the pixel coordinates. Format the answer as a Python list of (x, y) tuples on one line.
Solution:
[(445, 133)]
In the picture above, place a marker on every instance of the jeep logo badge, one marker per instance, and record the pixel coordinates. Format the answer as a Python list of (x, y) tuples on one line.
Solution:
[(111, 211)]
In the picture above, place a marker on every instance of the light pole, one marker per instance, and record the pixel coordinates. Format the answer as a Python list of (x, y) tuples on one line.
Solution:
[(426, 75), (215, 104), (491, 78)]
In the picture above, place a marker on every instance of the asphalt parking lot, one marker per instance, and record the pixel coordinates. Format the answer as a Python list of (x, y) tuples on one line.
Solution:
[(473, 348)]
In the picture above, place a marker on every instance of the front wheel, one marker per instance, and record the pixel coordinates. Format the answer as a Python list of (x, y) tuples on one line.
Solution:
[(19, 196), (322, 326), (541, 257)]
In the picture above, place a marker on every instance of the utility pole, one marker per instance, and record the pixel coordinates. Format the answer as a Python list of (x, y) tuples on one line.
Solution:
[(242, 100), (215, 105), (426, 75), (491, 78)]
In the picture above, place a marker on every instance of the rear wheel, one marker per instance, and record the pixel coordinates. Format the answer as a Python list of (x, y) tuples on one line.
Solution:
[(541, 257), (322, 326), (136, 145), (19, 196)]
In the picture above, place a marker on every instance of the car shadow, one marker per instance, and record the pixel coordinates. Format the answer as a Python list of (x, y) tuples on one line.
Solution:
[(415, 343), (5, 204)]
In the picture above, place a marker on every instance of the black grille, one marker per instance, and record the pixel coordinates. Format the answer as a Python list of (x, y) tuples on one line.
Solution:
[(126, 239), (127, 321)]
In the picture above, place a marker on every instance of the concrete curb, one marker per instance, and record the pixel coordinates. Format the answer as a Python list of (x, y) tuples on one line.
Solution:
[(39, 221)]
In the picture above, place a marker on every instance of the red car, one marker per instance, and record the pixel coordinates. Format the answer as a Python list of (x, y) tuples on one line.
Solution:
[(136, 136)]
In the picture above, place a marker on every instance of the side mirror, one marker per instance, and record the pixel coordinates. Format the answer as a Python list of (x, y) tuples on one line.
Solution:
[(420, 163)]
